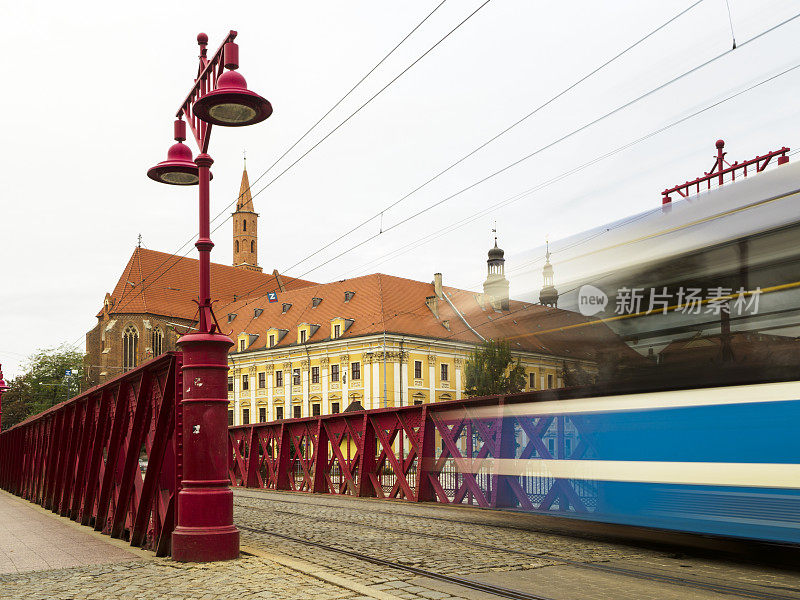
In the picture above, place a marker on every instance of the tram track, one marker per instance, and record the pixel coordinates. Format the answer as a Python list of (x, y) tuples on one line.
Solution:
[(633, 573), (466, 583)]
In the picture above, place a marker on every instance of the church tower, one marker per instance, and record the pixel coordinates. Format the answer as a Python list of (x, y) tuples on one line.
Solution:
[(495, 288), (245, 229), (548, 296)]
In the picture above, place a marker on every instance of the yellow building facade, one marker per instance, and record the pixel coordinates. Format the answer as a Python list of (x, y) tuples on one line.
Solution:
[(376, 372)]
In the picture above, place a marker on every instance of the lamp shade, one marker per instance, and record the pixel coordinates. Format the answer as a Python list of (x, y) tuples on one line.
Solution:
[(232, 104), (178, 169)]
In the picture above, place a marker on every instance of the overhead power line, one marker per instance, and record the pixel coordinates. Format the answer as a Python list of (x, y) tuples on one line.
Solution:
[(499, 135), (548, 146), (335, 105), (592, 162)]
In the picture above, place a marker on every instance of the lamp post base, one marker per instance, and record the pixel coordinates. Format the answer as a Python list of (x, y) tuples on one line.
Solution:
[(205, 530), (205, 544)]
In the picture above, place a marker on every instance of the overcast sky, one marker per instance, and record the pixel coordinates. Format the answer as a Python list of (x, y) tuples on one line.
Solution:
[(91, 89)]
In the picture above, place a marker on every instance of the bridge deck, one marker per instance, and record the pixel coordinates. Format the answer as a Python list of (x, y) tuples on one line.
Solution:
[(33, 539), (319, 547)]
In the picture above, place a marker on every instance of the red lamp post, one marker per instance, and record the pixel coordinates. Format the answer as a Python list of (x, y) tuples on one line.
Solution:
[(205, 530), (3, 388)]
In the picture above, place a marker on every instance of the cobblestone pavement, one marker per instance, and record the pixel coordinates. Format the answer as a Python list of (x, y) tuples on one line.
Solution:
[(489, 546), (162, 579)]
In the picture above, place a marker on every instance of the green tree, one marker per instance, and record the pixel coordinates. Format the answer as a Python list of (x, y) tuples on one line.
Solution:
[(51, 375), (491, 369)]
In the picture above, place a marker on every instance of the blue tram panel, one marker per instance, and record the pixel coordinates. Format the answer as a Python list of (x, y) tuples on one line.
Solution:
[(680, 468), (682, 326)]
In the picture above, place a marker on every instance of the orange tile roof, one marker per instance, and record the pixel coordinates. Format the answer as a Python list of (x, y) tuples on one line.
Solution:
[(398, 306), (163, 284)]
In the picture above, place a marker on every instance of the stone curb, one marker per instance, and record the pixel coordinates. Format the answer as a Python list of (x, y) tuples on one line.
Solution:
[(320, 573)]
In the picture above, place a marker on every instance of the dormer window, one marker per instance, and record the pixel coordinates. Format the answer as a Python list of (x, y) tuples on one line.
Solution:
[(303, 334), (257, 312), (242, 345), (231, 317), (286, 307), (348, 296), (271, 340), (337, 331), (315, 302)]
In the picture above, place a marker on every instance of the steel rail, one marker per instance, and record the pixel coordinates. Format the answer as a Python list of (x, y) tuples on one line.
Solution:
[(644, 575), (473, 585)]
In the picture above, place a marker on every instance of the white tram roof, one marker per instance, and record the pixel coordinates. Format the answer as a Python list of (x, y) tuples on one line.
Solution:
[(759, 202)]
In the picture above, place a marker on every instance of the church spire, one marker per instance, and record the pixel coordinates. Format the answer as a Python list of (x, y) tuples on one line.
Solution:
[(245, 201), (245, 228), (548, 296)]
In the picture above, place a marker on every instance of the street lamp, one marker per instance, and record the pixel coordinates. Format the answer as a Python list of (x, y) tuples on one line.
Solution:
[(3, 388), (205, 530)]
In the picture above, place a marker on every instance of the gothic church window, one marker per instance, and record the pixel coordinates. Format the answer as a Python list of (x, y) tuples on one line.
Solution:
[(252, 247), (157, 341), (237, 245), (244, 225), (130, 347)]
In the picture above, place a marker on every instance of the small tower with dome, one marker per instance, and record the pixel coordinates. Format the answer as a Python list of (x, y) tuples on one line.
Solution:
[(495, 288)]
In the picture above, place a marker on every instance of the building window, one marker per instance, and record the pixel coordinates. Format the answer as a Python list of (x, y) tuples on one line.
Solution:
[(278, 378), (130, 347), (246, 416), (337, 331), (253, 247), (244, 225), (417, 402), (444, 372), (355, 371), (271, 341), (262, 380), (230, 418), (245, 382), (298, 411), (532, 377), (278, 413), (314, 374), (296, 377), (551, 446), (334, 408), (241, 345), (334, 372), (237, 245), (549, 381), (230, 383), (262, 414), (303, 336), (567, 447), (315, 410), (157, 341), (417, 369)]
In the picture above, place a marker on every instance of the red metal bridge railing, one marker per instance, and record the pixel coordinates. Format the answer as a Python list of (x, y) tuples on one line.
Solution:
[(435, 452), (106, 458)]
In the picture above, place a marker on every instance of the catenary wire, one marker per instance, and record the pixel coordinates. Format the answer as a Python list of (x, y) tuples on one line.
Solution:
[(330, 132), (499, 135), (550, 145)]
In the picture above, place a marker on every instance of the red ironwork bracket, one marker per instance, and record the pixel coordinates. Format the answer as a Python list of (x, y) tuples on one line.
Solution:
[(208, 72)]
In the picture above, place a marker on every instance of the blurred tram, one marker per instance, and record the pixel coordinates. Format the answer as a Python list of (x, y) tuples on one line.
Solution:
[(700, 432)]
